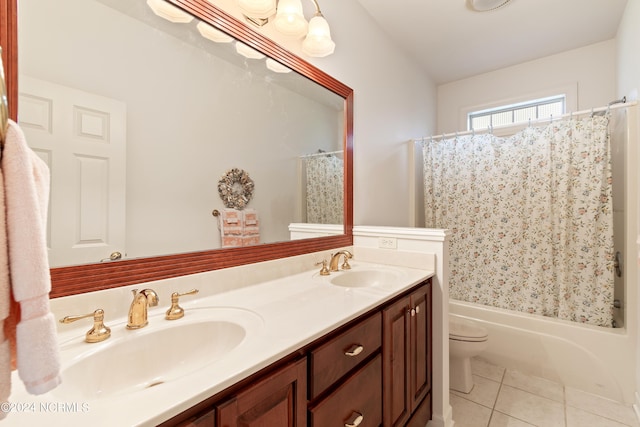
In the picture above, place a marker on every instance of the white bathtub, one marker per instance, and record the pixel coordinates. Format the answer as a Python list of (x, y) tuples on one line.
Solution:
[(588, 358)]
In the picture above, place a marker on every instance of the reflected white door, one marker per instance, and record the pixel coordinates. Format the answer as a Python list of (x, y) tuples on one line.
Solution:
[(82, 137)]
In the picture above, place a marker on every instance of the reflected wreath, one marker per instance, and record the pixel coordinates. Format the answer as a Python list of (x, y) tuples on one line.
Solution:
[(235, 188)]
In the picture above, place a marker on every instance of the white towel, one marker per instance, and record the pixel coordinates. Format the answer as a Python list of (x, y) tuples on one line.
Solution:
[(5, 375), (5, 309), (26, 191)]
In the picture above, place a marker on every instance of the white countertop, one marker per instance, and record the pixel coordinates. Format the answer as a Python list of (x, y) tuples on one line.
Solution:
[(292, 312)]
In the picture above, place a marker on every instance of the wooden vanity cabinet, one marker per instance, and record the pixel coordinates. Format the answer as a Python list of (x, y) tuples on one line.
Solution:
[(278, 400), (374, 371), (356, 402), (345, 377), (336, 357), (407, 359)]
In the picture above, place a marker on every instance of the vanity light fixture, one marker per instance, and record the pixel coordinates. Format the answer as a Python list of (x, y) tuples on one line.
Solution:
[(318, 42), (289, 20), (258, 9), (169, 12), (213, 34), (248, 52), (486, 5), (277, 67)]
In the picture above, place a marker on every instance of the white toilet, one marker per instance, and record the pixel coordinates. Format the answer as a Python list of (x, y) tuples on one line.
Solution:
[(466, 340)]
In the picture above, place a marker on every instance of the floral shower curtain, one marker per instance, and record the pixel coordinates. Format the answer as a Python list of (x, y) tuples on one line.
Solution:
[(325, 189), (531, 218)]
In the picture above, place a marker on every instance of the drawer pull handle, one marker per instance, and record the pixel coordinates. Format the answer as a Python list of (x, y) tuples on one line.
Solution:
[(354, 350), (356, 421)]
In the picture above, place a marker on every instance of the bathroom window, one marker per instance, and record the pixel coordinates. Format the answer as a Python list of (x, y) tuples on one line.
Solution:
[(522, 112)]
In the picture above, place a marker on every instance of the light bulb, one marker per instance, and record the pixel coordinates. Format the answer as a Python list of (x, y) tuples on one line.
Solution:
[(318, 42), (289, 18)]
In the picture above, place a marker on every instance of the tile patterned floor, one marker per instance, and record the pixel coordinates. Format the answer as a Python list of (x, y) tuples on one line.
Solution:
[(506, 398)]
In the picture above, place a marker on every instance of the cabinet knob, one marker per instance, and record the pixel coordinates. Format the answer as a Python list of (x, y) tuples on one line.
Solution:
[(356, 418), (354, 350), (413, 312), (417, 309)]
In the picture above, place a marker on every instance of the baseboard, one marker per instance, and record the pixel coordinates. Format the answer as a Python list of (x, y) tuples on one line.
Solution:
[(446, 420)]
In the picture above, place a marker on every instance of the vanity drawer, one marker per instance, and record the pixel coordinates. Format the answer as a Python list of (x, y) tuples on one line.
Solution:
[(335, 358), (357, 402)]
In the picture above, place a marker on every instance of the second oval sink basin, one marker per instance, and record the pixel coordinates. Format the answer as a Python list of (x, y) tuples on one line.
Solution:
[(365, 278), (159, 353)]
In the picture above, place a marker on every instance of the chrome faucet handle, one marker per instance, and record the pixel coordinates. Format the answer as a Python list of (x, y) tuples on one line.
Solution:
[(99, 332), (324, 271), (175, 311)]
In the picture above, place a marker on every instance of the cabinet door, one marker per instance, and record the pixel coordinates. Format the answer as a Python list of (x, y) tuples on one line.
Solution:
[(395, 370), (276, 401), (419, 346)]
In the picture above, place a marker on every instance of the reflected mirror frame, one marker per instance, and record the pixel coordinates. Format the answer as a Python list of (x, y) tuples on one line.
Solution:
[(92, 277)]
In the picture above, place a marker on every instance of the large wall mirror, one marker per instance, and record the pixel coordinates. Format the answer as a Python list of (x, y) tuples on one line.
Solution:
[(155, 113)]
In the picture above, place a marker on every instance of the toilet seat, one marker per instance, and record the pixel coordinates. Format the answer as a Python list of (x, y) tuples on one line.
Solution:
[(466, 330)]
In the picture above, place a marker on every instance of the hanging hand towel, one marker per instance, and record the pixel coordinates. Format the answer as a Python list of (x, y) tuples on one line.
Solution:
[(7, 320), (250, 228), (230, 228), (26, 188)]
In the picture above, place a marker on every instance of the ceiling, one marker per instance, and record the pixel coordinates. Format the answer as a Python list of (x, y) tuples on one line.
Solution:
[(452, 42)]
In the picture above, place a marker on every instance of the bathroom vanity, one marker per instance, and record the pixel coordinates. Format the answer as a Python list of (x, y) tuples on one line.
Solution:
[(281, 348), (375, 370)]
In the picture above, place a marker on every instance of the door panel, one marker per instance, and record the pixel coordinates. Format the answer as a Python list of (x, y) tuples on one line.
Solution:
[(82, 137)]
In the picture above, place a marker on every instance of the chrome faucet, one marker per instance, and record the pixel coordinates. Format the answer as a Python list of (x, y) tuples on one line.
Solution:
[(139, 308), (335, 259)]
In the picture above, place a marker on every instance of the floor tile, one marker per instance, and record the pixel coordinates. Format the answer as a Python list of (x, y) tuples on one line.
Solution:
[(536, 385), (579, 418), (469, 414), (600, 406), (484, 392), (528, 407), (498, 419), (485, 369), (508, 398)]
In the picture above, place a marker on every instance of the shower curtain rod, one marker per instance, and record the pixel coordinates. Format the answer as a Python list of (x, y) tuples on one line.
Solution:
[(614, 105), (324, 153)]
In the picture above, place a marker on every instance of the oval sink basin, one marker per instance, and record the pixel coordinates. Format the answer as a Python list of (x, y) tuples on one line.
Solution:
[(131, 361), (366, 278)]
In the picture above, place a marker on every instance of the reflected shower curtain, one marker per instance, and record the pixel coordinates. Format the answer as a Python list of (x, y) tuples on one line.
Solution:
[(325, 189), (531, 218)]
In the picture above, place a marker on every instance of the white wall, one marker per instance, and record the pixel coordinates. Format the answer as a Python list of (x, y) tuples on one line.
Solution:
[(628, 61), (394, 101), (586, 74), (628, 46)]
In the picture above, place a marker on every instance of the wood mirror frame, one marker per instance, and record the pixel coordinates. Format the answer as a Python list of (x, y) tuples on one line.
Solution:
[(93, 277)]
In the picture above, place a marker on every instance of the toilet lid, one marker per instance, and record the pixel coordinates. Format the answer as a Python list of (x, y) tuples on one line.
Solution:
[(466, 330)]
